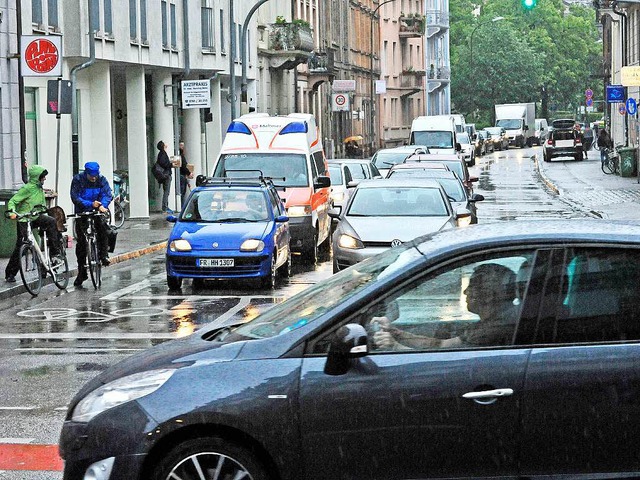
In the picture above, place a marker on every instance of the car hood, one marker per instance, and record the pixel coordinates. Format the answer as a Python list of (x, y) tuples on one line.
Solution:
[(386, 229), (228, 236), (171, 354)]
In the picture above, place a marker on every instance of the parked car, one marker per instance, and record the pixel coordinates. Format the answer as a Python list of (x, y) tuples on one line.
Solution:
[(455, 164), (229, 228), (499, 137), (385, 158), (458, 195), (541, 132), (308, 389), (346, 173), (468, 148), (384, 213), (486, 142), (563, 141)]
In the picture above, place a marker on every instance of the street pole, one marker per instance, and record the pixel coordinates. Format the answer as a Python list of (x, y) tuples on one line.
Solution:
[(372, 91), (243, 51), (232, 62)]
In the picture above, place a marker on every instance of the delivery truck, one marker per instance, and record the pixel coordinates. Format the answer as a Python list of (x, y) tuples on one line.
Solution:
[(518, 119)]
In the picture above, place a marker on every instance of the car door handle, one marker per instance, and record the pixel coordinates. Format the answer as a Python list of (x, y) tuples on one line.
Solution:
[(488, 394)]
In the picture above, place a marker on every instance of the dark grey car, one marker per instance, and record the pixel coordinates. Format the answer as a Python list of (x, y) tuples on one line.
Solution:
[(547, 387)]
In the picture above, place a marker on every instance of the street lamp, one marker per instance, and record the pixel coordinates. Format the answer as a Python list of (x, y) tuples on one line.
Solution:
[(372, 92), (495, 19)]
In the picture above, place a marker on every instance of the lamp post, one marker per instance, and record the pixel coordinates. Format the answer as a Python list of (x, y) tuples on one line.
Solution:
[(372, 92), (495, 19)]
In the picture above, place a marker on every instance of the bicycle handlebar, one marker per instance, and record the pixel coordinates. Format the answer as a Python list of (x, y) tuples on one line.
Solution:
[(33, 213), (92, 213)]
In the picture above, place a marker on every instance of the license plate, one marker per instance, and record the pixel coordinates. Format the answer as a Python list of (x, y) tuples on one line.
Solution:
[(215, 262)]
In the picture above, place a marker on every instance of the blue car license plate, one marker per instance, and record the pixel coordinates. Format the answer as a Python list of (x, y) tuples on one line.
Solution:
[(215, 262)]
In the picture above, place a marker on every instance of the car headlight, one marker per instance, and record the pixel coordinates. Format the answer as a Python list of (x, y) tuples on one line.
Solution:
[(347, 241), (180, 246), (299, 210), (119, 391), (252, 245)]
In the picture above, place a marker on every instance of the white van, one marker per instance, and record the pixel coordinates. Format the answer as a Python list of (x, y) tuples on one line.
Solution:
[(437, 132), (542, 131), (289, 150), (460, 122)]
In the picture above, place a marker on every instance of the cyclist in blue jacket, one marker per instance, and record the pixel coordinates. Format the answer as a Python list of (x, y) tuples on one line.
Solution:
[(90, 191)]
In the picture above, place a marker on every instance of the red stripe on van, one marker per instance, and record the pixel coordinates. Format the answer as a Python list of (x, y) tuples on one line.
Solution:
[(30, 457)]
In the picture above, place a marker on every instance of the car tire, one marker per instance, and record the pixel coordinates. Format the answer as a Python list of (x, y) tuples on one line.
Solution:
[(287, 267), (210, 454), (324, 250), (269, 280), (473, 161), (310, 254), (174, 283)]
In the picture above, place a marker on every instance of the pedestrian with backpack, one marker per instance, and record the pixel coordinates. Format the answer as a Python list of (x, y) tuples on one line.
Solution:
[(162, 173)]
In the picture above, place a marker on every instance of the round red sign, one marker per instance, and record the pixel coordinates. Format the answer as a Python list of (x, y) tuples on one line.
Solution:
[(41, 55)]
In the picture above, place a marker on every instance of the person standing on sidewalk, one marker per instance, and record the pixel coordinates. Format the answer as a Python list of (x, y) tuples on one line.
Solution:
[(185, 173), (90, 191), (587, 140), (30, 196), (604, 143), (165, 163)]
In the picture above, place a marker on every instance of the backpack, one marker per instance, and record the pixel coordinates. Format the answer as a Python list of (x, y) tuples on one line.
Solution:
[(159, 173)]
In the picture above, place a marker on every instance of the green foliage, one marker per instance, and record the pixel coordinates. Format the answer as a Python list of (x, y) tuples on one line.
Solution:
[(516, 58)]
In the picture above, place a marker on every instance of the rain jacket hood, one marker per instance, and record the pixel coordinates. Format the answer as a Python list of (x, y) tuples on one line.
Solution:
[(30, 195)]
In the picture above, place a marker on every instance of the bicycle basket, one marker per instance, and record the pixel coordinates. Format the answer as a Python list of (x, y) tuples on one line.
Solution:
[(60, 217)]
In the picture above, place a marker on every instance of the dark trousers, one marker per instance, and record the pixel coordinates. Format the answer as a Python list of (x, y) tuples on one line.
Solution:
[(43, 222), (100, 226)]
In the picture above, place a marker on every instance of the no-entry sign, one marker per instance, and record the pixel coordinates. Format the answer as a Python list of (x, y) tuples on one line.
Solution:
[(41, 55)]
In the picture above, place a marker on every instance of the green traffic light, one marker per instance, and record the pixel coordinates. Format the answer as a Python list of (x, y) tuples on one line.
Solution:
[(529, 4)]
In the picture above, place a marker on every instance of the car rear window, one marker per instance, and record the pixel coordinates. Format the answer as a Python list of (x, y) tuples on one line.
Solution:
[(397, 202), (563, 134)]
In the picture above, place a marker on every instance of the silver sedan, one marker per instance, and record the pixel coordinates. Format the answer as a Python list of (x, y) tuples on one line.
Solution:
[(385, 213)]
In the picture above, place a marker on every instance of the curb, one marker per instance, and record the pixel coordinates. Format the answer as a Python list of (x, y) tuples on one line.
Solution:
[(19, 287), (547, 181)]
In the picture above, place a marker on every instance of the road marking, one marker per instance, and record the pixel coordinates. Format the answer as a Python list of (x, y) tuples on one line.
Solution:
[(20, 456), (16, 440), (88, 336), (89, 316), (17, 408), (136, 287)]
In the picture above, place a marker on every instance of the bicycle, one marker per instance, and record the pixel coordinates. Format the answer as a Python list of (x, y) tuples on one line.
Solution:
[(35, 261), (93, 263), (121, 199), (612, 161)]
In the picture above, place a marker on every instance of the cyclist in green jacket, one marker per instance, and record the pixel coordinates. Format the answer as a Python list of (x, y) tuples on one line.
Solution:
[(30, 196)]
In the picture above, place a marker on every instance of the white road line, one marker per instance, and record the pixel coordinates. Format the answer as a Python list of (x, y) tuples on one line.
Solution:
[(17, 408), (16, 440), (136, 287)]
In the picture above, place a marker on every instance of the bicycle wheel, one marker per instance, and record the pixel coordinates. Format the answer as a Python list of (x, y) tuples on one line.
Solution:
[(60, 272), (95, 268), (608, 167), (30, 269), (118, 215), (595, 146)]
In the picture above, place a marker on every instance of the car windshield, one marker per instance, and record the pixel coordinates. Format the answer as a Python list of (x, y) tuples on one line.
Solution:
[(495, 131), (335, 173), (286, 169), (453, 188), (434, 139), (310, 304), (509, 124), (463, 138), (388, 159), (397, 202), (225, 205)]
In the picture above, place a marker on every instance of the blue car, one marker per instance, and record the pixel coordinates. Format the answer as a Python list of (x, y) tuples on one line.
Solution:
[(229, 228)]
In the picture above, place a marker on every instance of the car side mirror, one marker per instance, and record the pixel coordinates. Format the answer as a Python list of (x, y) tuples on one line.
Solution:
[(349, 342), (282, 219), (335, 211), (353, 183), (458, 147), (172, 218), (200, 179), (473, 179), (474, 136), (476, 197), (322, 181)]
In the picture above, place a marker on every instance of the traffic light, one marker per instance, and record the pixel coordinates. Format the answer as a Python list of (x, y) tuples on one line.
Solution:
[(529, 4)]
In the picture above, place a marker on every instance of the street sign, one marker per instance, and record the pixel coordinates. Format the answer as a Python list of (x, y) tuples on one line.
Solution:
[(381, 87), (588, 93), (632, 107), (196, 94), (622, 110), (340, 102), (343, 86), (59, 102), (41, 55), (615, 94), (630, 76), (589, 101)]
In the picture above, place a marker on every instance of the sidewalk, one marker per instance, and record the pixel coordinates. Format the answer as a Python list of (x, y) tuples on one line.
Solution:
[(136, 237)]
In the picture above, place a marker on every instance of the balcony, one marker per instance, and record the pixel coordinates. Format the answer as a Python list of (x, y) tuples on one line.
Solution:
[(321, 63), (412, 26), (411, 81), (290, 44), (438, 78), (437, 21)]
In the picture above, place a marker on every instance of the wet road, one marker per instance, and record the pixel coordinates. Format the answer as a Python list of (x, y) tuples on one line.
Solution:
[(52, 344)]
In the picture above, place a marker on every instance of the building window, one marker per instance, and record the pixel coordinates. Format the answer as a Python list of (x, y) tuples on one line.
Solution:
[(101, 16), (174, 30), (108, 19), (222, 44), (53, 13), (133, 19), (206, 20), (143, 22), (36, 12), (165, 32)]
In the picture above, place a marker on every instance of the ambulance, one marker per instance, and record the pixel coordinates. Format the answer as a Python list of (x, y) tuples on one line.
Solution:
[(287, 149)]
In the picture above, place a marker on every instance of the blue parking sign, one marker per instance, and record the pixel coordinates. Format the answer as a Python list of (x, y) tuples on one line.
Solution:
[(615, 94), (632, 107)]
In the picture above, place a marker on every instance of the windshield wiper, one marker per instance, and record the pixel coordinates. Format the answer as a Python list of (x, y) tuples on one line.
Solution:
[(235, 220)]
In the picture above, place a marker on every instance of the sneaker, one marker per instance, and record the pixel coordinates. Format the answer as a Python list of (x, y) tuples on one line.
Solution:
[(82, 276), (10, 279)]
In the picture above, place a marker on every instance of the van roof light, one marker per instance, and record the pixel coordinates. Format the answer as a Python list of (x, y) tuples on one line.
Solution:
[(295, 127), (238, 127)]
